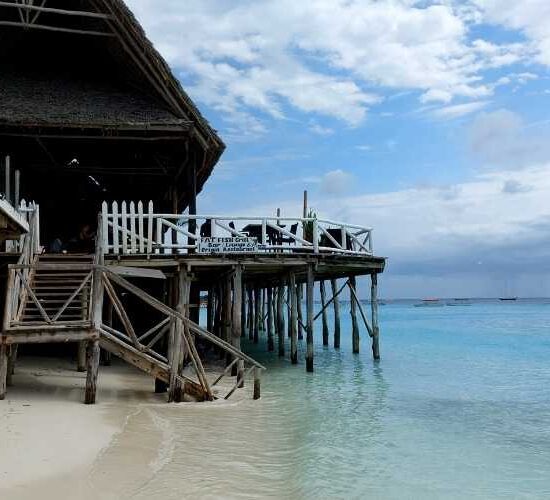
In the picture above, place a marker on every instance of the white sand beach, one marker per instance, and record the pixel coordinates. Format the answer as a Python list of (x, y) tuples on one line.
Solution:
[(53, 446)]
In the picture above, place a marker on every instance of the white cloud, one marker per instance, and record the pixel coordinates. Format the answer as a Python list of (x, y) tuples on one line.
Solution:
[(320, 130), (329, 57), (502, 140), (458, 110), (336, 182)]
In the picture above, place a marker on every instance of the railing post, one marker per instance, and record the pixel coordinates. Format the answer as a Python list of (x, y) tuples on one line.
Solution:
[(315, 236), (370, 241), (212, 228), (264, 232)]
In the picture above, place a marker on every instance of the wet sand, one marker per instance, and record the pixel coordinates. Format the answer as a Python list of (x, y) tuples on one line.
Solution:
[(53, 446)]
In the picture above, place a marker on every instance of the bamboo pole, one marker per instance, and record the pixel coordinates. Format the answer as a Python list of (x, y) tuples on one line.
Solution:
[(270, 326), (293, 319), (280, 321), (353, 312), (324, 312), (336, 304), (309, 311), (374, 310)]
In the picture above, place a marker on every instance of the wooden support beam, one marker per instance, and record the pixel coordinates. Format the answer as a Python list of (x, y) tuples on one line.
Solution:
[(280, 321), (3, 370), (336, 302), (293, 318), (257, 380), (227, 314), (92, 368), (309, 312), (300, 298), (270, 325), (12, 359), (81, 356), (50, 10), (251, 316), (257, 313), (210, 310), (374, 310), (324, 312), (353, 312), (237, 327)]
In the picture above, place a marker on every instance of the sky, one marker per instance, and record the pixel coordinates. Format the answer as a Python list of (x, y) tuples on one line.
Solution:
[(425, 120)]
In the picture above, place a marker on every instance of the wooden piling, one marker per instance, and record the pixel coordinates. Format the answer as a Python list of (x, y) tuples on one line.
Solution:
[(280, 321), (227, 314), (270, 326), (336, 305), (374, 311), (263, 316), (300, 298), (237, 317), (251, 317), (3, 370), (210, 310), (81, 356), (293, 318), (309, 312), (257, 314), (92, 368), (257, 379), (244, 316), (12, 359), (353, 312), (324, 312)]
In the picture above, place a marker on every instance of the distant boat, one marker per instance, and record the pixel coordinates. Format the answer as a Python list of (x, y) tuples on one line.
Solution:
[(508, 299), (430, 302), (460, 302)]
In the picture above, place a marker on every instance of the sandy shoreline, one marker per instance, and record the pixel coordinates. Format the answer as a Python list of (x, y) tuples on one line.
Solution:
[(54, 446)]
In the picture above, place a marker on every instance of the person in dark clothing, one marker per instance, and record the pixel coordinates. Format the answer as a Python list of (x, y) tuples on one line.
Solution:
[(84, 243)]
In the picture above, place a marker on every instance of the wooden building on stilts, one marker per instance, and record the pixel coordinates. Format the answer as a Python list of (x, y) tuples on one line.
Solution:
[(103, 156)]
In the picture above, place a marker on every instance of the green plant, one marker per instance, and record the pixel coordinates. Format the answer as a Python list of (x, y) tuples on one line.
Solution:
[(307, 226)]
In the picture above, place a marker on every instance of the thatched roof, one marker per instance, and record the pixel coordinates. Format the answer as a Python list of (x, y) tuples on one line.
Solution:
[(87, 66)]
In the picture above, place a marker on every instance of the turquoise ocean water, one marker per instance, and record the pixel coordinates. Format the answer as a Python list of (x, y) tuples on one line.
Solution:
[(458, 407)]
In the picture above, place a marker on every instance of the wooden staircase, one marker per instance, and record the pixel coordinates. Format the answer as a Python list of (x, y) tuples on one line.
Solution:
[(61, 285)]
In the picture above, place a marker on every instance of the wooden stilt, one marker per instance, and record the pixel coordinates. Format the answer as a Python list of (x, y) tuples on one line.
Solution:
[(106, 355), (270, 326), (81, 356), (210, 310), (293, 319), (324, 313), (336, 304), (257, 314), (227, 314), (353, 312), (300, 298), (12, 359), (244, 317), (238, 369), (374, 310), (257, 379), (3, 370), (251, 316), (263, 316), (280, 320), (92, 368), (309, 311)]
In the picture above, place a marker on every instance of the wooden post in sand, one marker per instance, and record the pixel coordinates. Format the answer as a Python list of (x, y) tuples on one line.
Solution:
[(309, 312), (12, 359), (374, 311), (270, 342), (92, 368), (324, 313), (3, 370), (353, 312), (293, 318), (280, 320), (336, 305)]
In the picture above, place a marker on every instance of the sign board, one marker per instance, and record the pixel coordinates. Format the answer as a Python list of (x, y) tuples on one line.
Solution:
[(228, 245)]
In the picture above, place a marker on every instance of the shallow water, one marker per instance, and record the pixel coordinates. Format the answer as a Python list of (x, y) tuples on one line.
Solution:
[(459, 407)]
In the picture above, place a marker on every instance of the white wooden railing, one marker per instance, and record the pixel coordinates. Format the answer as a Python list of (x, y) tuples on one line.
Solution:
[(131, 228)]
